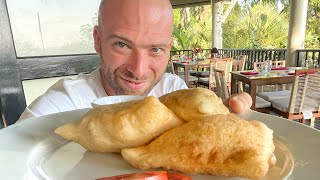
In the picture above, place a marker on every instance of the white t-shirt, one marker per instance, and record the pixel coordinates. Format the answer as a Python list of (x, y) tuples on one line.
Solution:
[(79, 93)]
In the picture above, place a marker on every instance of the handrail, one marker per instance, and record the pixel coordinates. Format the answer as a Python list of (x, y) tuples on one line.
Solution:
[(253, 55), (304, 57), (308, 57)]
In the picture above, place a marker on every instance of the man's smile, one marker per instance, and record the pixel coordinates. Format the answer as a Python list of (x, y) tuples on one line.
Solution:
[(133, 84)]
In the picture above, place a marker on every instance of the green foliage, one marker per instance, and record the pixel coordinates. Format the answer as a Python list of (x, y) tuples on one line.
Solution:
[(251, 24), (261, 26), (313, 25), (193, 30)]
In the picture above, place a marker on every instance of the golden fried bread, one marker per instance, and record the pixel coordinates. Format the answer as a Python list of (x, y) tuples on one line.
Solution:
[(222, 145), (109, 128), (194, 103)]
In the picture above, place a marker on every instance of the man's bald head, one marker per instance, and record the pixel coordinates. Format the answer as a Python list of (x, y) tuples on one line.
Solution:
[(156, 9), (133, 38)]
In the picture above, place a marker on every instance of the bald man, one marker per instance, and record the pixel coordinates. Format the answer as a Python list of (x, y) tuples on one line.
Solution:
[(133, 39)]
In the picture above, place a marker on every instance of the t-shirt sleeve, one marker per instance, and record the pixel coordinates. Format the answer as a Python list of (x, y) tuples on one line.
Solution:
[(64, 95), (54, 100), (49, 103), (167, 84)]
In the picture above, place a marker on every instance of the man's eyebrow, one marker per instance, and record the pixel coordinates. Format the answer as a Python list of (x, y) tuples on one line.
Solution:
[(119, 37), (159, 45), (115, 36)]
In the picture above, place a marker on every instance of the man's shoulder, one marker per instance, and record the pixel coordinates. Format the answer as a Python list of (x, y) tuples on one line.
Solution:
[(173, 80), (171, 77), (67, 94), (168, 83)]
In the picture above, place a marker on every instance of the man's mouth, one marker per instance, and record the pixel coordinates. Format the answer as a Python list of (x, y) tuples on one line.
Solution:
[(134, 84)]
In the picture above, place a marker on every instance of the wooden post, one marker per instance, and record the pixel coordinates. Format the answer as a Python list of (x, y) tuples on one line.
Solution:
[(217, 12), (297, 29)]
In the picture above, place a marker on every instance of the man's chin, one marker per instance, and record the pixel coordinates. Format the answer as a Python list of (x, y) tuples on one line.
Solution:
[(142, 91), (136, 92)]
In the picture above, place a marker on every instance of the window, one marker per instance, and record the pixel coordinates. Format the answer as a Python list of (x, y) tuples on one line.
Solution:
[(53, 27)]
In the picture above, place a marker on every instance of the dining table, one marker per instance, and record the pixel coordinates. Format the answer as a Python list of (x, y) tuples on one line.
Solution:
[(254, 79)]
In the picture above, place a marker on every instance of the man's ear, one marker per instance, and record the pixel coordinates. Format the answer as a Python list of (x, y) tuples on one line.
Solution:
[(97, 39), (171, 42)]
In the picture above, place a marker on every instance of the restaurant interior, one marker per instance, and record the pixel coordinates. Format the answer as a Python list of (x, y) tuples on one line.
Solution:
[(196, 68), (283, 120)]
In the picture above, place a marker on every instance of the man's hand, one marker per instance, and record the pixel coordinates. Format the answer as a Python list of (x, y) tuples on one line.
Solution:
[(239, 103)]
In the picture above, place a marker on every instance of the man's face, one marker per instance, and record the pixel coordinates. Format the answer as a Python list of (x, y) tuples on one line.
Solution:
[(134, 50)]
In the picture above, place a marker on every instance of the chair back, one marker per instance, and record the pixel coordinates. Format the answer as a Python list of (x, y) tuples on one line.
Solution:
[(221, 83), (305, 94), (225, 65), (279, 63), (170, 67), (259, 65), (239, 63)]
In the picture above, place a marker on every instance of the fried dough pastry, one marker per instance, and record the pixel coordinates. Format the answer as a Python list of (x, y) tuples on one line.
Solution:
[(194, 103), (222, 145), (109, 128)]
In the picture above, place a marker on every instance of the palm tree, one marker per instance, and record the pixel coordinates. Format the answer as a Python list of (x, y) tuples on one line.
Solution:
[(261, 26)]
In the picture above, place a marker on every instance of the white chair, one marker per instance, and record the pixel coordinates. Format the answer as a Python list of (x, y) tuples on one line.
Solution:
[(304, 101)]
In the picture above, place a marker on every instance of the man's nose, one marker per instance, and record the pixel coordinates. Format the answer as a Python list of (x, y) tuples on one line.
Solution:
[(137, 64)]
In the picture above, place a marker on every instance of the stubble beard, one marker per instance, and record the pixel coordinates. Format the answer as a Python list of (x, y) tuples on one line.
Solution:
[(111, 78)]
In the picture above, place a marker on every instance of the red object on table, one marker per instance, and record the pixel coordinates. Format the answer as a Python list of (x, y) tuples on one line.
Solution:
[(249, 73), (303, 73), (185, 62)]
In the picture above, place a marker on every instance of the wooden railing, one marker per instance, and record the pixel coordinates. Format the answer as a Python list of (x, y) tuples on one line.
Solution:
[(310, 57), (253, 55)]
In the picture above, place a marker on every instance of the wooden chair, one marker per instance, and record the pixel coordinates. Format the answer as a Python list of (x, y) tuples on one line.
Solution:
[(225, 65), (238, 64), (204, 74), (223, 92), (170, 68), (279, 63), (221, 83), (305, 97)]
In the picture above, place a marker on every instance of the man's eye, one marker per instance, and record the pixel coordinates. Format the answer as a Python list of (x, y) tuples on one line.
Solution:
[(119, 44), (156, 50)]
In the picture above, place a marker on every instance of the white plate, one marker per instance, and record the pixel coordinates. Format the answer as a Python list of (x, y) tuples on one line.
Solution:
[(30, 150), (115, 99)]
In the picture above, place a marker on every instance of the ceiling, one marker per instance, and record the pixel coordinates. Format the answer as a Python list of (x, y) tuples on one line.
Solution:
[(186, 3)]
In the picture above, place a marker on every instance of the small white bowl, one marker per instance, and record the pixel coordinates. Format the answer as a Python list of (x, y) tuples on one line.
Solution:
[(115, 99)]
